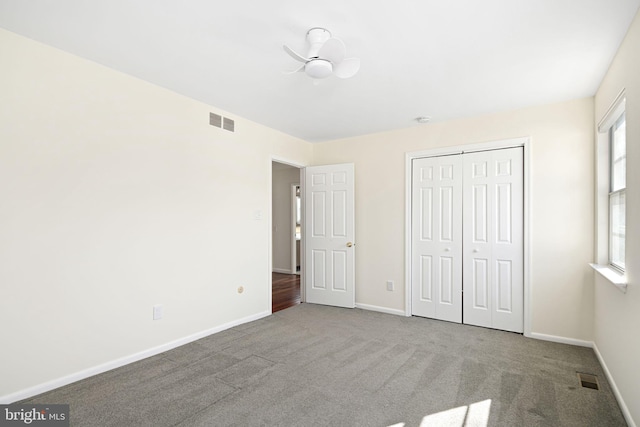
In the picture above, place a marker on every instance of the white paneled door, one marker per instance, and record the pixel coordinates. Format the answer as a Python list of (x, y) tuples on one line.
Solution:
[(437, 238), (329, 235), (493, 239), (467, 238)]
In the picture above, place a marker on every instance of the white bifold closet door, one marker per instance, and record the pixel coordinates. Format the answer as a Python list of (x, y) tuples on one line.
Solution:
[(467, 238), (436, 243), (492, 257)]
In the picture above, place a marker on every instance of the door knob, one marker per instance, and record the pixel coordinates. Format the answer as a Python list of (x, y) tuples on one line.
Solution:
[(476, 250), (447, 249), (349, 244)]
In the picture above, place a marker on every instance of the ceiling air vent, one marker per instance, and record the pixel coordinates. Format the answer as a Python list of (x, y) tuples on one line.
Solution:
[(221, 122)]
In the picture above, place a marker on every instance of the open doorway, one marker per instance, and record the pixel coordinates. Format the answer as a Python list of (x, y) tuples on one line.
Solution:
[(286, 231)]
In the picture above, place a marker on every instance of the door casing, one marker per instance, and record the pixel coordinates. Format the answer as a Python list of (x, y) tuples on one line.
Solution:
[(524, 142)]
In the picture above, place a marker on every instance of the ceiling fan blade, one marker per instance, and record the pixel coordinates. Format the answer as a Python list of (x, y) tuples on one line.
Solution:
[(347, 68), (296, 70), (295, 55), (333, 50)]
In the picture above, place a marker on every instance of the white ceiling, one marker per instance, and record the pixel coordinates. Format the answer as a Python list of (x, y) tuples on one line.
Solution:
[(444, 59)]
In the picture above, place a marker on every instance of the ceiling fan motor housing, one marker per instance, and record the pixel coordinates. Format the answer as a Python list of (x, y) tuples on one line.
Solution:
[(316, 37)]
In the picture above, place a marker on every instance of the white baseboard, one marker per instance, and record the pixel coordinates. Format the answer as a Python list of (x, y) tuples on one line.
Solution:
[(283, 270), (614, 387), (381, 309), (86, 373), (562, 340)]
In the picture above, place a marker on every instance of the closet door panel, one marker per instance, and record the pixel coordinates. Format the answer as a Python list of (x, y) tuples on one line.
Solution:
[(493, 236), (436, 243)]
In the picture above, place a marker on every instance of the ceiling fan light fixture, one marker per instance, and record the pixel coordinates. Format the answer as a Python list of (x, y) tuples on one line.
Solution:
[(318, 68), (325, 56)]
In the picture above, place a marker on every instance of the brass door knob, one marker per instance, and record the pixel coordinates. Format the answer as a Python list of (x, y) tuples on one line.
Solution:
[(349, 244)]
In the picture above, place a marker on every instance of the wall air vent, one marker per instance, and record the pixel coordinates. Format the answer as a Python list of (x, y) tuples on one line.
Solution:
[(228, 124), (221, 122), (215, 120)]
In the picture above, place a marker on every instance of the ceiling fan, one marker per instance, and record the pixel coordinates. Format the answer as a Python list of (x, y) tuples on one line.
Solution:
[(326, 56)]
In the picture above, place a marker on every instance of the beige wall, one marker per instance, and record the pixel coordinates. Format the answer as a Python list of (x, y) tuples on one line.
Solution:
[(118, 195), (617, 315), (282, 231), (561, 197)]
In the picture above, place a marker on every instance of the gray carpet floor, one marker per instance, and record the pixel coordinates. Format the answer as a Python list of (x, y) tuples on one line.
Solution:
[(315, 365)]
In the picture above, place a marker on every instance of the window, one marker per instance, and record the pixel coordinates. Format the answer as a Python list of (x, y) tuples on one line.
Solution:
[(611, 187), (617, 192)]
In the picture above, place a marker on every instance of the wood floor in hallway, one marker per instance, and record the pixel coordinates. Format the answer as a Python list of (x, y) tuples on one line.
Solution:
[(285, 291)]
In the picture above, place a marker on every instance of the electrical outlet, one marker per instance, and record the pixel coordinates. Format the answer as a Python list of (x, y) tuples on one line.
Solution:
[(390, 285), (157, 312)]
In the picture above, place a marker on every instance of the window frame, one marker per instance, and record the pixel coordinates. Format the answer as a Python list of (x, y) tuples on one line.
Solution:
[(617, 192), (602, 266)]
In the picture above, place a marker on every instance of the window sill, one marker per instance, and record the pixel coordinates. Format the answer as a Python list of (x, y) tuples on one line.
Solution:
[(613, 276)]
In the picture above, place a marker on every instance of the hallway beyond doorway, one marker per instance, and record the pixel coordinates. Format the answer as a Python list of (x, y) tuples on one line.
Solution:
[(285, 291)]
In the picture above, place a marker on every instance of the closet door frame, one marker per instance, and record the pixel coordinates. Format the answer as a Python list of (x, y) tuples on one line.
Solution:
[(461, 149)]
